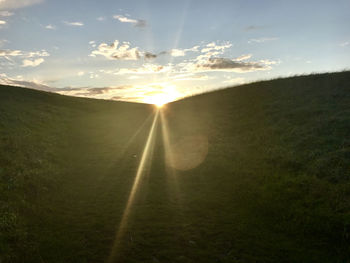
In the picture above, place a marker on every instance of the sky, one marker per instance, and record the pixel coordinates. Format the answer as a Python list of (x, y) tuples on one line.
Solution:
[(162, 50)]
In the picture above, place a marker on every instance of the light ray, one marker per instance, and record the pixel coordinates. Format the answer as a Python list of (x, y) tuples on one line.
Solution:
[(169, 159), (139, 173), (137, 132), (178, 35)]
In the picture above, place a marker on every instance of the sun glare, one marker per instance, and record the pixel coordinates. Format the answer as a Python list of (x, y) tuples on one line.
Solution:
[(159, 100), (165, 95)]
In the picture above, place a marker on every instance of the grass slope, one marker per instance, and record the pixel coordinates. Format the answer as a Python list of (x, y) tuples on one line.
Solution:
[(273, 187)]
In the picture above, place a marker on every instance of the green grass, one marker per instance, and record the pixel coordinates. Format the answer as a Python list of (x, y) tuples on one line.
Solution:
[(274, 186)]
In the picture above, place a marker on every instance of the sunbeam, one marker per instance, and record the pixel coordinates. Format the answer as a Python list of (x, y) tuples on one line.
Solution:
[(136, 133), (139, 173), (169, 159)]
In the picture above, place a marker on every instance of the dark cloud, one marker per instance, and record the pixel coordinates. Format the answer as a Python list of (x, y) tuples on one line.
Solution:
[(225, 64), (163, 53), (127, 55), (149, 55), (87, 91)]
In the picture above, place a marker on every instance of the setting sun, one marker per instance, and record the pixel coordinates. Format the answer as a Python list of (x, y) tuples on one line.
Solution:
[(158, 100), (165, 94)]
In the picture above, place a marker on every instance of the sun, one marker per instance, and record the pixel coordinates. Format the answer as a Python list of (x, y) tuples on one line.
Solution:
[(161, 97), (159, 100)]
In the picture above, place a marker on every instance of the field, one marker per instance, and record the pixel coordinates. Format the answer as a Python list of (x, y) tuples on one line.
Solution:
[(254, 173)]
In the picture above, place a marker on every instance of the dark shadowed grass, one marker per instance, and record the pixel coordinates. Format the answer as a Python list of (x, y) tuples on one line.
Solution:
[(274, 186)]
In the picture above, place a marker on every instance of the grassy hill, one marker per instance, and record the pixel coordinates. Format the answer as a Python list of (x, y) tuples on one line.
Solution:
[(255, 173)]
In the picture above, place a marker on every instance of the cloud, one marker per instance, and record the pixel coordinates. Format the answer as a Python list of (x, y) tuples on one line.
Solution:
[(215, 47), (144, 69), (344, 44), (4, 80), (81, 73), (73, 23), (13, 4), (243, 57), (123, 92), (92, 43), (26, 58), (2, 22), (116, 51), (90, 92), (177, 52), (269, 62), (5, 13), (212, 50), (135, 22), (209, 60), (120, 92), (101, 18), (225, 64), (51, 27), (262, 39), (32, 63), (42, 53), (10, 53), (149, 55)]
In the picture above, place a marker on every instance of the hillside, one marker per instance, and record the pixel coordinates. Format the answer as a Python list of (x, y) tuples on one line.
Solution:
[(254, 173)]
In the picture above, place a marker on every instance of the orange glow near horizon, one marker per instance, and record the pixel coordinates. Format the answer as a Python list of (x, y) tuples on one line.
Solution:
[(167, 93)]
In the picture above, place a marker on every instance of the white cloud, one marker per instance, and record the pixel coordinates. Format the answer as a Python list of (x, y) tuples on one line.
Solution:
[(32, 63), (344, 44), (2, 22), (182, 52), (135, 22), (13, 4), (73, 23), (177, 52), (269, 62), (243, 57), (116, 51), (81, 73), (262, 39), (10, 53), (42, 53), (92, 43), (51, 27), (101, 18), (26, 58), (124, 19), (214, 47), (209, 60), (5, 13), (212, 50), (145, 69)]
